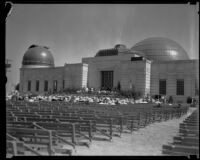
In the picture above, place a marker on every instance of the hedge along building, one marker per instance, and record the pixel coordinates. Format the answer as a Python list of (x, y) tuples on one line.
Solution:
[(155, 66)]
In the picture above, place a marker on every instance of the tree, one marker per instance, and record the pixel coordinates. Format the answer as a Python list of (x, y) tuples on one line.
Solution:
[(189, 100), (118, 86), (17, 87), (170, 99)]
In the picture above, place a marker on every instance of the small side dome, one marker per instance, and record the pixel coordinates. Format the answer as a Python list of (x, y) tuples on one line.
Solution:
[(160, 49), (120, 46), (37, 56)]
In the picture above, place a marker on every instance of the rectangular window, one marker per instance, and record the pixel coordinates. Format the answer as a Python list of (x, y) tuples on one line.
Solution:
[(180, 87), (29, 85), (162, 87), (63, 84), (55, 84), (37, 86), (45, 86)]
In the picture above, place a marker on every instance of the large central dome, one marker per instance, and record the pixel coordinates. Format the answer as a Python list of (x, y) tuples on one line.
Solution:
[(38, 56), (160, 49)]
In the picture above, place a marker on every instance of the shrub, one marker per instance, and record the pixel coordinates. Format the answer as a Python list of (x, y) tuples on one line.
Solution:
[(170, 99), (189, 100), (17, 87), (70, 90), (137, 94), (157, 97), (131, 94), (118, 86)]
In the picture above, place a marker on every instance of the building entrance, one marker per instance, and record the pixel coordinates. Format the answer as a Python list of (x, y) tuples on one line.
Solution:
[(106, 80)]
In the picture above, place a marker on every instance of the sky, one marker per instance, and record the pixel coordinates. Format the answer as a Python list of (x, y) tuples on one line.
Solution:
[(74, 31)]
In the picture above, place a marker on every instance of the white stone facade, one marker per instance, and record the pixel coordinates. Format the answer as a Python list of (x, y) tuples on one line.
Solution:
[(187, 70), (73, 75), (143, 75)]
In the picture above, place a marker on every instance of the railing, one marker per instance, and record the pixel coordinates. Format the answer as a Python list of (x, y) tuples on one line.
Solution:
[(187, 142)]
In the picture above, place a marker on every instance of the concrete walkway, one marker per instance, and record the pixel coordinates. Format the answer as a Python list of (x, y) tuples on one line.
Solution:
[(145, 141)]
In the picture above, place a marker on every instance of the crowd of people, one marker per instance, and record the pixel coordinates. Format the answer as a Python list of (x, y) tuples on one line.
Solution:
[(101, 97)]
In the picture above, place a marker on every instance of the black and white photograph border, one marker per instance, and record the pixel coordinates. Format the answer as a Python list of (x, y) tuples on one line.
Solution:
[(101, 79)]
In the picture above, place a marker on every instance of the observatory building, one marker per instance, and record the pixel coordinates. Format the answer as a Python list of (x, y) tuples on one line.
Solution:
[(154, 66)]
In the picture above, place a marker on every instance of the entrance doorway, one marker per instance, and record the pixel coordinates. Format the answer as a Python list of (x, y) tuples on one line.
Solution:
[(106, 80)]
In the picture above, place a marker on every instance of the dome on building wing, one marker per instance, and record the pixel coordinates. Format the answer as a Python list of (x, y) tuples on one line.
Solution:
[(107, 52), (38, 56), (118, 48), (160, 49)]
